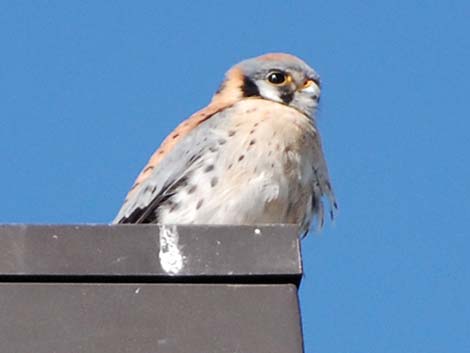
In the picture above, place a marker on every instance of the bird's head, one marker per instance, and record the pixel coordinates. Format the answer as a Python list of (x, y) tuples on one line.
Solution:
[(282, 78)]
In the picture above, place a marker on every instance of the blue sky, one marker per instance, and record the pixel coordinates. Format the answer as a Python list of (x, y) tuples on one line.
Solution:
[(89, 89)]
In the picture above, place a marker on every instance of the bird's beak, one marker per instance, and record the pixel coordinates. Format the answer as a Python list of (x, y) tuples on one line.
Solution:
[(308, 86)]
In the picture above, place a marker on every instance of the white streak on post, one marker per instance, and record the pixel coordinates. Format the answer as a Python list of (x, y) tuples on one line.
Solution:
[(170, 255)]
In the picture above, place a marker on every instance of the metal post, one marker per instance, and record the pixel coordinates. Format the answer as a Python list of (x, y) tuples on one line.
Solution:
[(149, 288)]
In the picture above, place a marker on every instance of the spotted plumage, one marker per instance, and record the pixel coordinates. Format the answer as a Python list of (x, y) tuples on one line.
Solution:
[(252, 156)]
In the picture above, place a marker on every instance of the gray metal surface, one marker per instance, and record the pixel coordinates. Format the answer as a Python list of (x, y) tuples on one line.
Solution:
[(265, 254), (146, 318)]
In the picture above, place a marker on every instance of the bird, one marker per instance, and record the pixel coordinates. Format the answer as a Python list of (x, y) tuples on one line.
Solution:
[(252, 156)]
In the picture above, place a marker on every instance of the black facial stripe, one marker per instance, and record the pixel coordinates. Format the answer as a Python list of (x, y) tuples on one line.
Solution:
[(286, 95), (249, 88)]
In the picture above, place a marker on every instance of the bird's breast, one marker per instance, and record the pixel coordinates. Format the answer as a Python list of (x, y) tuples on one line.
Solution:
[(272, 138), (259, 172)]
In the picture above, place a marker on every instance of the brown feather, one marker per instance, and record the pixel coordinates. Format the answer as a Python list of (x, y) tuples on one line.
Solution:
[(226, 97)]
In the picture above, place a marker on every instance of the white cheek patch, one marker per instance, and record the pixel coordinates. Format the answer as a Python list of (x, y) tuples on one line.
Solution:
[(267, 91)]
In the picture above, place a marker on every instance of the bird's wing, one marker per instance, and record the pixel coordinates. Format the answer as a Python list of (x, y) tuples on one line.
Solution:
[(322, 185), (169, 165), (171, 158)]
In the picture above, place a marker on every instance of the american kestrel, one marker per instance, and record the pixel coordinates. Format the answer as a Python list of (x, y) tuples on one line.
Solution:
[(252, 156)]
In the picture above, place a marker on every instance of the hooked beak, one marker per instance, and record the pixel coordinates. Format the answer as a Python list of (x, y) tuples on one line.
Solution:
[(309, 86)]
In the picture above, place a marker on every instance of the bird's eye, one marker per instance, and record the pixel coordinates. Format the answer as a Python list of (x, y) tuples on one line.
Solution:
[(277, 77)]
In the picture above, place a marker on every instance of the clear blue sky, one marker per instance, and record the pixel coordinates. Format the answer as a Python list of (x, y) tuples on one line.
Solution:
[(89, 89)]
